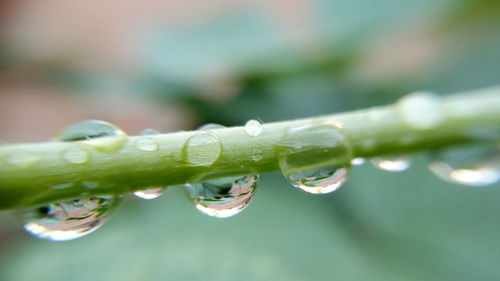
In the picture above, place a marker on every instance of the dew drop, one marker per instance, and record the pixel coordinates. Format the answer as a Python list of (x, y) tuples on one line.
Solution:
[(396, 163), (150, 193), (202, 148), (253, 128), (421, 110), (146, 144), (474, 165), (257, 155), (76, 156), (224, 197), (319, 181), (23, 159), (315, 158), (358, 161), (70, 219), (103, 136), (149, 132)]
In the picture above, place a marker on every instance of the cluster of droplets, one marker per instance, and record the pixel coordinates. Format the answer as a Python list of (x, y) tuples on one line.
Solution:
[(312, 158)]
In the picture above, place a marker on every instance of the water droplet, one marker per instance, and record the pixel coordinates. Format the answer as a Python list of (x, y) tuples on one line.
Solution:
[(253, 128), (474, 165), (421, 110), (149, 132), (319, 181), (62, 186), (76, 155), (203, 148), (396, 163), (23, 159), (146, 144), (90, 184), (68, 220), (150, 193), (224, 197), (257, 154), (358, 161), (315, 158), (210, 126), (103, 136)]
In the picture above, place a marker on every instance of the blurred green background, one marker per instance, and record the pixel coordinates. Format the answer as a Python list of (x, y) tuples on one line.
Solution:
[(173, 65)]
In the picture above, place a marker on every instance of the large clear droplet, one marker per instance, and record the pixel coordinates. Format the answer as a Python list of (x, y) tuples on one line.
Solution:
[(150, 193), (315, 158), (253, 128), (203, 148), (474, 165), (396, 163), (103, 136), (224, 197), (68, 220)]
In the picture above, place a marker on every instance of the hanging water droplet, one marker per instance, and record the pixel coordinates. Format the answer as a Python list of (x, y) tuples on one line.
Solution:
[(313, 158), (68, 220), (358, 161), (76, 155), (319, 181), (474, 165), (150, 193), (224, 197), (396, 163), (103, 136), (253, 128)]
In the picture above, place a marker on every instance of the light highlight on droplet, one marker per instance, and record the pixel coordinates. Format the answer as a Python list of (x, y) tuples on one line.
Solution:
[(392, 163), (150, 193), (76, 156)]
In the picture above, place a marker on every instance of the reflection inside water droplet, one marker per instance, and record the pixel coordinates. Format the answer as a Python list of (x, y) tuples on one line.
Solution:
[(319, 181), (223, 197), (475, 164), (150, 193), (396, 163), (70, 219), (253, 128)]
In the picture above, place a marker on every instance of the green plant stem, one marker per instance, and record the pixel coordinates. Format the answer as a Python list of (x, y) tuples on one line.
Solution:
[(38, 173)]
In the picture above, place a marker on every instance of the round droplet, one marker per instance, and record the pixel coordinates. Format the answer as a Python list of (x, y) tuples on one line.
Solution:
[(319, 181), (210, 126), (23, 159), (68, 220), (358, 161), (103, 136), (76, 155), (149, 132), (396, 163), (146, 144), (257, 155), (203, 148), (253, 128), (421, 110), (315, 158), (150, 193), (474, 165), (223, 197)]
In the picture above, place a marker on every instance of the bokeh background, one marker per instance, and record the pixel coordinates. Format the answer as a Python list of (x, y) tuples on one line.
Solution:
[(173, 65)]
